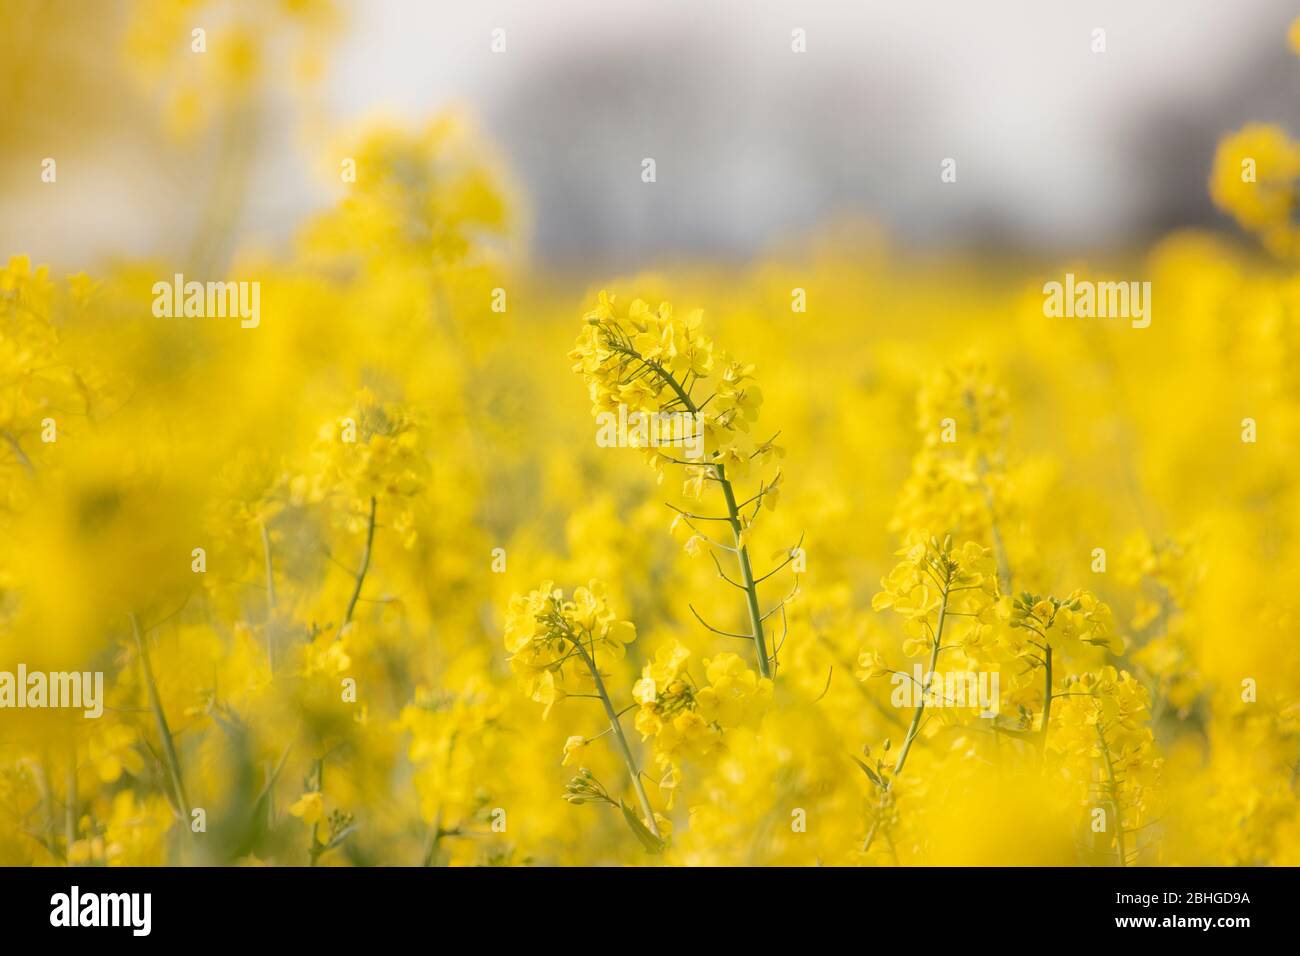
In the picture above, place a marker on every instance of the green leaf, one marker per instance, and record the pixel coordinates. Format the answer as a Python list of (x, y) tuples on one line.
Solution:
[(652, 843), (338, 839), (869, 772)]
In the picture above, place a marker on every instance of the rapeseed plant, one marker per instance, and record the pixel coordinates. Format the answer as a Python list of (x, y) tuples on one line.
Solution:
[(544, 631), (650, 361), (306, 557)]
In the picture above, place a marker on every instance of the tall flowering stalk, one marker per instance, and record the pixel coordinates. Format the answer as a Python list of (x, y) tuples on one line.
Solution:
[(1052, 623), (932, 585), (1106, 747), (556, 645), (959, 477), (172, 759), (959, 481), (372, 461), (688, 719), (648, 362), (937, 589)]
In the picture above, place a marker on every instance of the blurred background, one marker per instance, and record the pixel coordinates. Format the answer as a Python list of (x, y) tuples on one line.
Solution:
[(1059, 149), (129, 154)]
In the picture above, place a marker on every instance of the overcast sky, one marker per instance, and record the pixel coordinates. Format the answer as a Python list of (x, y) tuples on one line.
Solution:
[(1056, 146)]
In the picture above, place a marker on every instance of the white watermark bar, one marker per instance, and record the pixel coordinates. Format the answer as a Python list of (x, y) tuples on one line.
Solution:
[(947, 689), (64, 690), (1084, 299), (683, 431), (212, 300)]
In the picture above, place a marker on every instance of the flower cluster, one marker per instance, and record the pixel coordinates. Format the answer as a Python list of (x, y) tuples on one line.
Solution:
[(938, 588), (651, 361), (959, 478), (1166, 572), (1060, 622), (687, 720), (1254, 178), (1101, 733), (416, 197), (377, 450), (309, 632), (544, 632), (655, 360), (41, 385)]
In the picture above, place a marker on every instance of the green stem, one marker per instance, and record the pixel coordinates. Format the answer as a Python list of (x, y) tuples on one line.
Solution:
[(364, 568), (433, 840), (1047, 694), (915, 727), (19, 453), (999, 547), (317, 848), (948, 569), (733, 512), (160, 718), (70, 805), (746, 575), (270, 599), (617, 728), (270, 661), (47, 799), (1113, 787), (982, 470), (436, 833)]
